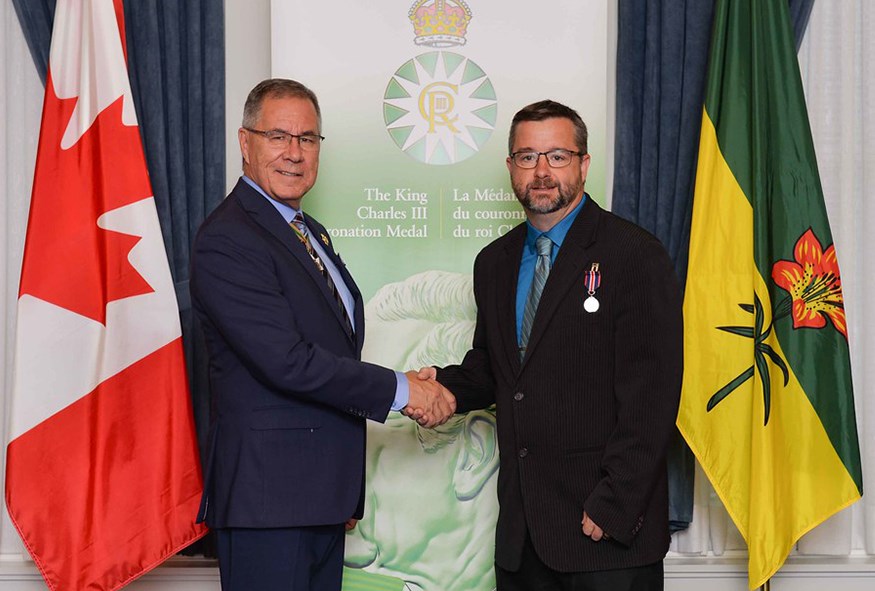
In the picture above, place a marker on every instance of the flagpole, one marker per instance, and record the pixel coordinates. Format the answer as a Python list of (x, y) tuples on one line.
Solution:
[(766, 586)]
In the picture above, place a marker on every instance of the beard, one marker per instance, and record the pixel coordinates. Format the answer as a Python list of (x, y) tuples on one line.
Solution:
[(565, 195)]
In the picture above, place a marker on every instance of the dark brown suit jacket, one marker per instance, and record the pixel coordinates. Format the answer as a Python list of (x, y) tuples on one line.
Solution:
[(584, 419)]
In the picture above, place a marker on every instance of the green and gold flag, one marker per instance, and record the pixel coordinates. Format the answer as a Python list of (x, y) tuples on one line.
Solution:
[(767, 403)]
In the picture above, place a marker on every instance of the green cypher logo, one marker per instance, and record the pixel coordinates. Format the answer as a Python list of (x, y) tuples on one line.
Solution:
[(440, 108)]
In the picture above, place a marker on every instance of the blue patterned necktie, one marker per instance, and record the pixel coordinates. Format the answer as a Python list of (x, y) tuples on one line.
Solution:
[(544, 246), (300, 229)]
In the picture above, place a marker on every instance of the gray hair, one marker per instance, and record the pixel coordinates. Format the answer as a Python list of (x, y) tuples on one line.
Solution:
[(276, 88)]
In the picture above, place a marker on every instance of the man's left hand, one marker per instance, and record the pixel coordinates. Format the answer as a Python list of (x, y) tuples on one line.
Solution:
[(591, 529)]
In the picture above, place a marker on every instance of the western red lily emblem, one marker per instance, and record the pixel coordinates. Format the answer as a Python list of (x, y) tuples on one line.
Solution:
[(814, 284)]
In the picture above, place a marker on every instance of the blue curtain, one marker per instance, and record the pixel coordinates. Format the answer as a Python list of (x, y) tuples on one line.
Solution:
[(176, 62), (662, 57)]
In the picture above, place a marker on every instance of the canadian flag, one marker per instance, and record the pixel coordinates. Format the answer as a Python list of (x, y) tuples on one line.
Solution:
[(102, 474)]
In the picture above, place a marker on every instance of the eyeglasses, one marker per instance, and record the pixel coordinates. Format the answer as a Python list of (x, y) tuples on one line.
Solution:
[(558, 158), (279, 139)]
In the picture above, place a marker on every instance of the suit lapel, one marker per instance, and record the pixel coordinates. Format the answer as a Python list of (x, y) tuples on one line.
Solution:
[(567, 269), (266, 216), (318, 232)]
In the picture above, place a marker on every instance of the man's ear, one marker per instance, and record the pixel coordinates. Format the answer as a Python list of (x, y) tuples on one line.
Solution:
[(478, 460), (584, 165), (244, 144)]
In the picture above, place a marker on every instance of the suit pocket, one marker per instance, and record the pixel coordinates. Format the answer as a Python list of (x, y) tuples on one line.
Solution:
[(592, 451), (580, 316), (265, 419)]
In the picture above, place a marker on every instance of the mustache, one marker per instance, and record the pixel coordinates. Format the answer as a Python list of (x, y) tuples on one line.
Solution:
[(543, 184)]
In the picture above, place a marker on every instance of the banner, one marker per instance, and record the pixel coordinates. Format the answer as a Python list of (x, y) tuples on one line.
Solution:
[(417, 99), (102, 474), (767, 404)]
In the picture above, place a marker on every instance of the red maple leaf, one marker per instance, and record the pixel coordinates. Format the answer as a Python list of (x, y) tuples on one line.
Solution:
[(68, 260)]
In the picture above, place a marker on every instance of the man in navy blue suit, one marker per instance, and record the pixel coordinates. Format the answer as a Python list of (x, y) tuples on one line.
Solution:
[(284, 326)]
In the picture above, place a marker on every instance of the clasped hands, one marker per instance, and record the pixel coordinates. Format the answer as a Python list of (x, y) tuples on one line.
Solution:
[(430, 404)]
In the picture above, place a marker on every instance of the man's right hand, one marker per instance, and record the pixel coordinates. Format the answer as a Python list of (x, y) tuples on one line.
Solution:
[(427, 373), (430, 404)]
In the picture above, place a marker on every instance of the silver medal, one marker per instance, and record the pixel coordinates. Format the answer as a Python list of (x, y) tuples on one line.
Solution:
[(591, 304)]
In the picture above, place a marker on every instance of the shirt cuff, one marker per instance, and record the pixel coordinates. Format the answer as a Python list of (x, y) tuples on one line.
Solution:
[(402, 391)]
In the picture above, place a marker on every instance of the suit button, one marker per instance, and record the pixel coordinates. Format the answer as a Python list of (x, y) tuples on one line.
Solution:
[(518, 396), (524, 452)]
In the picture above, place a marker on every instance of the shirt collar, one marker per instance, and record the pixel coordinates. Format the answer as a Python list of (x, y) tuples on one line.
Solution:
[(558, 232), (287, 211)]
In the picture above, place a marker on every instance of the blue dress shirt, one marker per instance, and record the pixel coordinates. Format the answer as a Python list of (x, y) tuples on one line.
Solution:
[(530, 256)]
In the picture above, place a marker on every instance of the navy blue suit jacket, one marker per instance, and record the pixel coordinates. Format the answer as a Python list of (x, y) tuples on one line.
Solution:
[(290, 394)]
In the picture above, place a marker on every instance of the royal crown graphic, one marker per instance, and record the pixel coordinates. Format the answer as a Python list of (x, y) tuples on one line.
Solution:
[(440, 107), (440, 23)]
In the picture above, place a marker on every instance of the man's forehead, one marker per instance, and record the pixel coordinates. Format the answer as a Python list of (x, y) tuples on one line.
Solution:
[(555, 129), (288, 108), (550, 125)]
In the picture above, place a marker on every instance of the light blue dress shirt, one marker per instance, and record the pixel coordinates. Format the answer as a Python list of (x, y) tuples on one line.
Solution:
[(530, 256), (402, 388)]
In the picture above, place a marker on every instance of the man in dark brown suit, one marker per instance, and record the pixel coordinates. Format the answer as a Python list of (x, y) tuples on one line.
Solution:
[(578, 343)]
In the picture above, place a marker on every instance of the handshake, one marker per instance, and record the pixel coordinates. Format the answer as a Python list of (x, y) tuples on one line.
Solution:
[(430, 404)]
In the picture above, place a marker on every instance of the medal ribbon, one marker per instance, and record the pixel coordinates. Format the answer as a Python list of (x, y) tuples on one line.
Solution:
[(592, 279)]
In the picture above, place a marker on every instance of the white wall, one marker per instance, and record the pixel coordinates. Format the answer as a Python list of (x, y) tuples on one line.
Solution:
[(247, 62)]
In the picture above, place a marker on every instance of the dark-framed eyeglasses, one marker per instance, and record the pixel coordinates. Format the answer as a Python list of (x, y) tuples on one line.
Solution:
[(557, 158), (279, 139)]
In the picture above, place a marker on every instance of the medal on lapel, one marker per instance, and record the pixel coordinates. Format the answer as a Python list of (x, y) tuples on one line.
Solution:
[(324, 239), (591, 281)]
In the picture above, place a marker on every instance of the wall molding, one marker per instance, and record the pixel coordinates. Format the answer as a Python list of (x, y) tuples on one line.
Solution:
[(682, 573)]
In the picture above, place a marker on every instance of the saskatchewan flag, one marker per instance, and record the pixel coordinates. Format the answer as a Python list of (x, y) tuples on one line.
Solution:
[(767, 403)]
